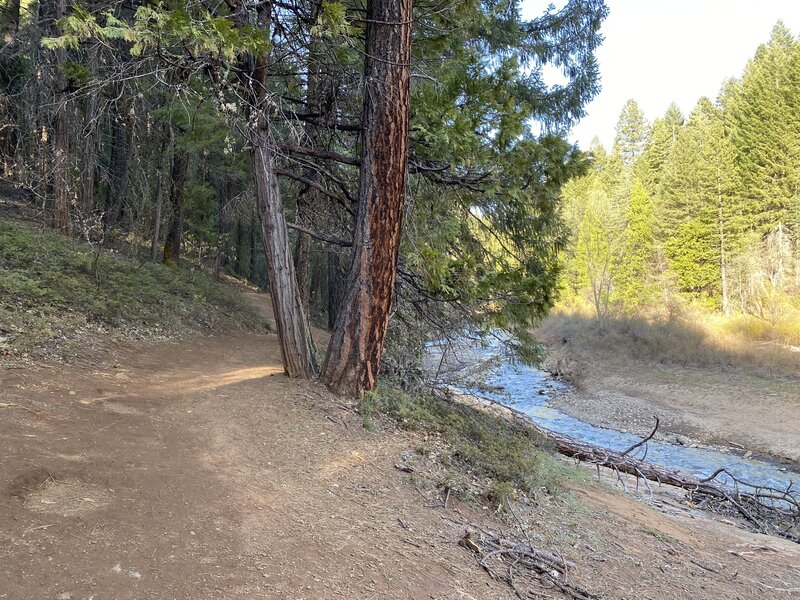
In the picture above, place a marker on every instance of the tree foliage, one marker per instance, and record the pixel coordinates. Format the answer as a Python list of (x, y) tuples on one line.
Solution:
[(723, 198)]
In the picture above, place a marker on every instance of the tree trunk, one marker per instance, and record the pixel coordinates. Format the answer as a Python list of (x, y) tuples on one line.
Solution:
[(121, 148), (302, 248), (335, 280), (51, 12), (177, 197), (157, 216), (62, 203), (251, 258), (356, 345), (290, 321), (89, 171), (293, 331)]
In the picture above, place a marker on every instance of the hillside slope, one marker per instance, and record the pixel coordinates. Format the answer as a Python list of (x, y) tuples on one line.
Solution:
[(54, 290)]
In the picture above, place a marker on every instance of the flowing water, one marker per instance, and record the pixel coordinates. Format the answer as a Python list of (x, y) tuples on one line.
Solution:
[(528, 390)]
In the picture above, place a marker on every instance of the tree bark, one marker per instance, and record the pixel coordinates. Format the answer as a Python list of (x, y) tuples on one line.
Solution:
[(62, 203), (356, 345), (290, 321), (292, 327), (177, 201), (168, 141)]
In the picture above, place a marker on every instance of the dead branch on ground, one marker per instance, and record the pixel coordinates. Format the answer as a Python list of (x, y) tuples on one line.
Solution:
[(766, 509), (516, 562)]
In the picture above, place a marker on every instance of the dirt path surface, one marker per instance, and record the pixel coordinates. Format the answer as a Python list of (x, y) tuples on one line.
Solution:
[(749, 413), (196, 470)]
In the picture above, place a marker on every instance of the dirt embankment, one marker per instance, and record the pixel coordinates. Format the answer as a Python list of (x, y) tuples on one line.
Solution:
[(197, 470), (736, 410)]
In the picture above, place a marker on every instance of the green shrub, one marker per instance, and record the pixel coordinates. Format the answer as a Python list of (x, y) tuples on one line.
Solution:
[(510, 456)]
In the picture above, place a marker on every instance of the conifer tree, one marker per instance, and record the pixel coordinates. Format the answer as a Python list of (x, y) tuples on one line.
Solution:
[(631, 134), (702, 197), (662, 138), (765, 130)]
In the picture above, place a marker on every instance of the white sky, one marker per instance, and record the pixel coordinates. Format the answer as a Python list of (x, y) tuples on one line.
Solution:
[(660, 51)]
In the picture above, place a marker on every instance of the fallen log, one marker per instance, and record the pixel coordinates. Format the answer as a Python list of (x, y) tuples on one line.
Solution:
[(766, 509)]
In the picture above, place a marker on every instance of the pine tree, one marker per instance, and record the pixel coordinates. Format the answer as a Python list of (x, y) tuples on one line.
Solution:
[(631, 134), (702, 197), (662, 138), (765, 130)]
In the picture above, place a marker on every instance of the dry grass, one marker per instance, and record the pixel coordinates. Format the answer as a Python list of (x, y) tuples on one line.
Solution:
[(687, 338)]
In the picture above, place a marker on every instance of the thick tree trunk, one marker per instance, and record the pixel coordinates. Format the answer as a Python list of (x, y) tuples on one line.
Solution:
[(355, 348), (177, 201), (290, 321)]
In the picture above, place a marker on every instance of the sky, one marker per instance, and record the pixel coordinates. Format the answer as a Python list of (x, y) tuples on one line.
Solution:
[(663, 51)]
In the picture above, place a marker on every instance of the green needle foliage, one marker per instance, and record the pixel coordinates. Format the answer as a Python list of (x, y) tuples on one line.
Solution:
[(705, 208)]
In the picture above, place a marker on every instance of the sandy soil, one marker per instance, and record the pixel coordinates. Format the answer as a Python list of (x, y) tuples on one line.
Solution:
[(196, 470), (741, 412)]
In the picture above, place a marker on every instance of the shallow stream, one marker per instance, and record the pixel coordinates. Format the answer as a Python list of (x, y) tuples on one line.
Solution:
[(528, 390)]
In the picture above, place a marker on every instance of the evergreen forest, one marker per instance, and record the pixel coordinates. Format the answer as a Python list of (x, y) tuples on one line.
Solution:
[(699, 210)]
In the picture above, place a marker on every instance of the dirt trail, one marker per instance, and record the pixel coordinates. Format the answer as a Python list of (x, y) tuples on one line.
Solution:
[(197, 470)]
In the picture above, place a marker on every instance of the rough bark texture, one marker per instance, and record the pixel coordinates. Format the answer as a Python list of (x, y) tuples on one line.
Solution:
[(293, 330), (355, 348), (290, 321), (177, 196)]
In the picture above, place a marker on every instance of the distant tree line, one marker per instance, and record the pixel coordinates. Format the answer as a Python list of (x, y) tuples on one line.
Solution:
[(361, 160), (706, 205)]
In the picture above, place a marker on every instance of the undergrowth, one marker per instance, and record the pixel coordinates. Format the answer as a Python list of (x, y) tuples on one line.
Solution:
[(52, 286), (482, 456)]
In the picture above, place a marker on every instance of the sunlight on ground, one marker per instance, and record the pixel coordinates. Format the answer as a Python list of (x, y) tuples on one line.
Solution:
[(211, 382)]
